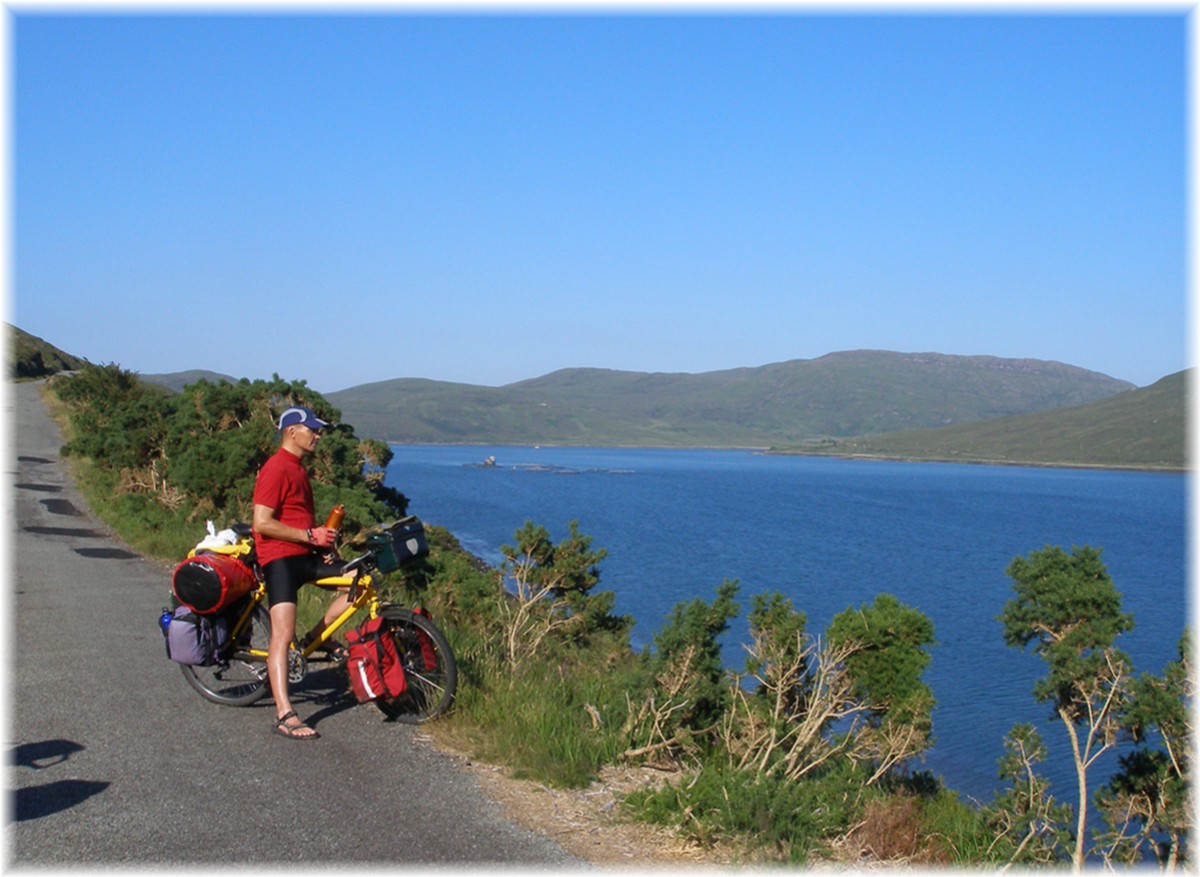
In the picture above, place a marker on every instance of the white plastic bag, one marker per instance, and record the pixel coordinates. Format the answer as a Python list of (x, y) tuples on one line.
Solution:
[(214, 539)]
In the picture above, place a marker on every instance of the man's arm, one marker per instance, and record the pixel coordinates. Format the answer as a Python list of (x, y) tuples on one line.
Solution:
[(267, 524)]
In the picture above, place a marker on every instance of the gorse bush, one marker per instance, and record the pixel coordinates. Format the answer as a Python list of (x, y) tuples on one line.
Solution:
[(157, 465), (804, 754), (194, 455)]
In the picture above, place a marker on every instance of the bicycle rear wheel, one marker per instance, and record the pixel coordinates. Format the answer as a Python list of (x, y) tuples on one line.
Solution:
[(429, 668), (239, 679)]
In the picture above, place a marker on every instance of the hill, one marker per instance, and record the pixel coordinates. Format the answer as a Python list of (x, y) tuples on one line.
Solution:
[(838, 395), (33, 357), (1146, 428), (176, 381), (858, 403)]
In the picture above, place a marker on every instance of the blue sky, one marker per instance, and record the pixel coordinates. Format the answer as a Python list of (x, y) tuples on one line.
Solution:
[(488, 198)]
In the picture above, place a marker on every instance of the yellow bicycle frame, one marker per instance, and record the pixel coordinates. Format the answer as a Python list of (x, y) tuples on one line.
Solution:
[(363, 595)]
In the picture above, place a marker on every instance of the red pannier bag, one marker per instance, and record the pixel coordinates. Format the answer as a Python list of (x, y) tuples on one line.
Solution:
[(374, 664), (208, 583), (428, 652)]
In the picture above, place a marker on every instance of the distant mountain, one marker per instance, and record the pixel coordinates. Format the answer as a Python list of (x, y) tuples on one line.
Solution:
[(864, 403), (33, 357), (1146, 428), (176, 381), (835, 396)]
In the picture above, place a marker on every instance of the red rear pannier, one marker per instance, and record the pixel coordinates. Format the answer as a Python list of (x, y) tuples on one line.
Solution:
[(374, 662), (208, 583)]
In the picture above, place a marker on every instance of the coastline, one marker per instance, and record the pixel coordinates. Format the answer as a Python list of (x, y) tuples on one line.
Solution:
[(768, 451), (1169, 469)]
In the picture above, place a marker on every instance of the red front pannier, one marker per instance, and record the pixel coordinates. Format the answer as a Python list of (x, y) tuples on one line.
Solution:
[(208, 583)]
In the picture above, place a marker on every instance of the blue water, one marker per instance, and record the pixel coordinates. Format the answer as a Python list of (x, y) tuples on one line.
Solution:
[(831, 534)]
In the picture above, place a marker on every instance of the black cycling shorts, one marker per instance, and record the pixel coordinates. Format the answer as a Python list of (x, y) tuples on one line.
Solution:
[(285, 575)]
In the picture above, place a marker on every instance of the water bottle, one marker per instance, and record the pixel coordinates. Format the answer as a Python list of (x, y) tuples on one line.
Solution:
[(334, 522), (164, 620)]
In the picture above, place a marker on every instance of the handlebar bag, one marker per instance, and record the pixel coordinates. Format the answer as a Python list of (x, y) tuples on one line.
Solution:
[(207, 583), (397, 544), (374, 662), (195, 639)]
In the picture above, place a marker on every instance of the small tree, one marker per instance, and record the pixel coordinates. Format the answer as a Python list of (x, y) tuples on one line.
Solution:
[(781, 724), (686, 692), (550, 598), (1068, 610), (1148, 803), (885, 657), (1026, 817)]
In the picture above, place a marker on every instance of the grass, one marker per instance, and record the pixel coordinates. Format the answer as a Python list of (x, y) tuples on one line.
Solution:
[(546, 723), (785, 817)]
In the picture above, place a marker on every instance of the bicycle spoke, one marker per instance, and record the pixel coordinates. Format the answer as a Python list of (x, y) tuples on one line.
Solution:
[(428, 665), (236, 681)]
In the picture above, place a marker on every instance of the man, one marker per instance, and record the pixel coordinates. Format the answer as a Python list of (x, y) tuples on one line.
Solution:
[(287, 541)]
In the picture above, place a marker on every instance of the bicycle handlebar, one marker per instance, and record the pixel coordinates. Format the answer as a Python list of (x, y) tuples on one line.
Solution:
[(357, 563)]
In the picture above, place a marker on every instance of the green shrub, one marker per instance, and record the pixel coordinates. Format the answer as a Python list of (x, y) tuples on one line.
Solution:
[(682, 690), (790, 820)]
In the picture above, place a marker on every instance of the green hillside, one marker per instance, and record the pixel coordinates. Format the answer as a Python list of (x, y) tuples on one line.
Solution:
[(33, 357), (925, 406), (838, 395), (1146, 428)]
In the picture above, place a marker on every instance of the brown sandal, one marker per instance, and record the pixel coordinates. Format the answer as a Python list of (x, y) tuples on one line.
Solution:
[(283, 729)]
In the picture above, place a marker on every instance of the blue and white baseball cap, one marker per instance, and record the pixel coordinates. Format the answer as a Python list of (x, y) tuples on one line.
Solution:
[(298, 415)]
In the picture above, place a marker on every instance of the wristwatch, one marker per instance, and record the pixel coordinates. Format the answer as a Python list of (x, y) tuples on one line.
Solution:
[(308, 533)]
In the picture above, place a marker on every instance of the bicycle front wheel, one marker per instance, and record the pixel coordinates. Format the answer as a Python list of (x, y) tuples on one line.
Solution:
[(239, 679), (429, 669)]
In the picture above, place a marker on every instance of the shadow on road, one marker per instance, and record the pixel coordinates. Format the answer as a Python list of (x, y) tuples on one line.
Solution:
[(45, 753), (106, 553), (327, 687), (33, 802)]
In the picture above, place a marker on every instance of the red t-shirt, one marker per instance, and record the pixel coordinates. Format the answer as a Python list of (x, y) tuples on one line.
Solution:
[(283, 485)]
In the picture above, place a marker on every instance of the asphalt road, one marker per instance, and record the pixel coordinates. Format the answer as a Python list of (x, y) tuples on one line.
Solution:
[(116, 761)]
